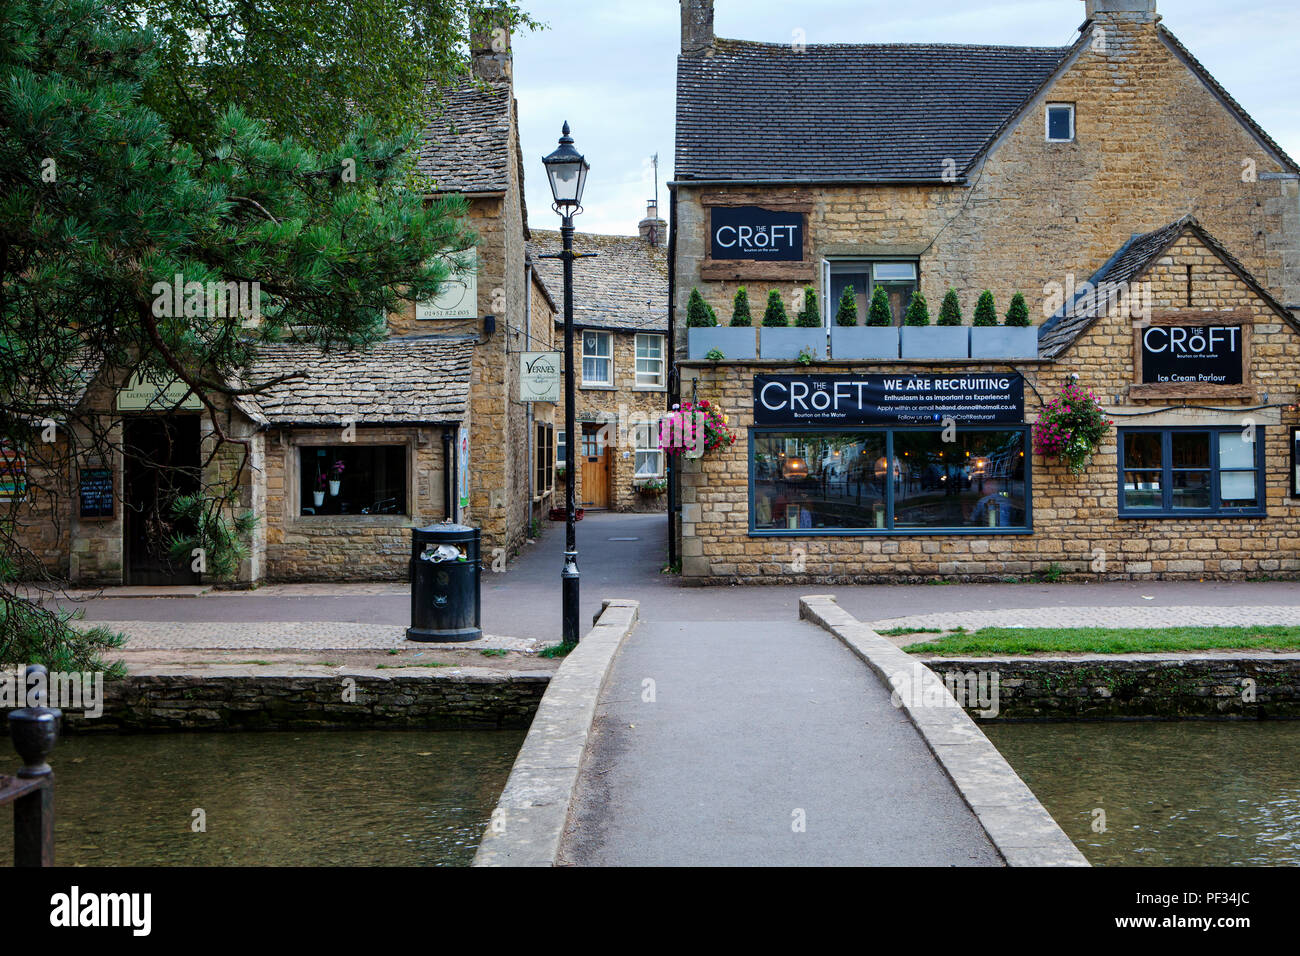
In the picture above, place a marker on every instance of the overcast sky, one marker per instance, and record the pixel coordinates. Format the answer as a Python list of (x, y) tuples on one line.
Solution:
[(609, 68)]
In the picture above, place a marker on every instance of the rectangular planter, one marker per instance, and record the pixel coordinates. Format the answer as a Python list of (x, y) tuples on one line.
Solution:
[(935, 342), (733, 343), (999, 341), (787, 343), (863, 342)]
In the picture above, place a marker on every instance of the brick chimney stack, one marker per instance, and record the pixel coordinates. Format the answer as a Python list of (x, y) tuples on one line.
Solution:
[(697, 27), (1120, 9), (489, 45), (653, 229)]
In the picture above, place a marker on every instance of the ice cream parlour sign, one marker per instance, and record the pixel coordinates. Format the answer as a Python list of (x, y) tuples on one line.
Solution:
[(915, 399), (1192, 354)]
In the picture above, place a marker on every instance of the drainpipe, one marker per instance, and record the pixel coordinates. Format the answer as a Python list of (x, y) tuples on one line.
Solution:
[(448, 470), (674, 386), (531, 450)]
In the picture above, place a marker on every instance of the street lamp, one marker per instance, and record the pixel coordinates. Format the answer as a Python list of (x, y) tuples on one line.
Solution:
[(567, 172)]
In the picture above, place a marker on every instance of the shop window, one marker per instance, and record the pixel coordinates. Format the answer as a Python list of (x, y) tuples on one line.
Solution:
[(561, 448), (352, 479), (597, 359), (1186, 472), (13, 472), (895, 480), (649, 456), (897, 278), (649, 361), (1060, 122), (544, 459), (1295, 462)]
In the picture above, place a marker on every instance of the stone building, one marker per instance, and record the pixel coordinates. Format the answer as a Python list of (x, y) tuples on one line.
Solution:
[(620, 358), (1114, 183), (351, 449)]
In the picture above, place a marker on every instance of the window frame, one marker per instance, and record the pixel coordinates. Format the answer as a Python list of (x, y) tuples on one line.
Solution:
[(1047, 122), (652, 446), (408, 503), (543, 459), (867, 264), (608, 337), (889, 531), (1295, 461), (1216, 509), (659, 384)]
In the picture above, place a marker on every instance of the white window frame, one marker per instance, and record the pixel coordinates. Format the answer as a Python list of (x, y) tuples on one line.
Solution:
[(608, 338), (658, 381), (1047, 122), (645, 440)]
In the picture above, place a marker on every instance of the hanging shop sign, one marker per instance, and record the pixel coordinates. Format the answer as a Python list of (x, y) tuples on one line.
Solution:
[(539, 376), (751, 232), (96, 492), (146, 393), (888, 399), (458, 296), (1192, 355)]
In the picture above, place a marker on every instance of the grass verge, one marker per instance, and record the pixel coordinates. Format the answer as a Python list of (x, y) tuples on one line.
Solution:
[(1100, 640)]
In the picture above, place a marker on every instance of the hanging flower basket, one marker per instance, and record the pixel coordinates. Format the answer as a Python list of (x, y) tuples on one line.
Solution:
[(695, 427), (1071, 428)]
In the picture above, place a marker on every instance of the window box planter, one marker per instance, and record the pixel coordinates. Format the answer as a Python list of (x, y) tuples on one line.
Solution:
[(787, 343), (1003, 342), (935, 341), (733, 343), (863, 342)]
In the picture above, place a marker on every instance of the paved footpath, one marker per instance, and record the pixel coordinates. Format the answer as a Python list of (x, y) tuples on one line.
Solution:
[(754, 726)]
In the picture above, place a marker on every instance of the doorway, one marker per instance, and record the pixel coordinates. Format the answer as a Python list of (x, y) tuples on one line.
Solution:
[(595, 467), (161, 464)]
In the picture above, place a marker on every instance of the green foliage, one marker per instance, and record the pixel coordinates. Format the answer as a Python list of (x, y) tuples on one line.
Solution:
[(805, 357), (918, 313), (774, 315), (1018, 313), (222, 541), (810, 316), (1099, 640), (950, 309), (985, 313), (714, 355), (740, 314), (299, 65), (699, 314), (880, 315), (847, 313), (556, 650)]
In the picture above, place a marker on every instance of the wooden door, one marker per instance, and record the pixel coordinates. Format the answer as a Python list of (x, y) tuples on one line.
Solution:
[(162, 463), (595, 468)]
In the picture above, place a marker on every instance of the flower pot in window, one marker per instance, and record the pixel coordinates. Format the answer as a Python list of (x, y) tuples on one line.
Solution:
[(1002, 341), (334, 488), (864, 342), (318, 498), (734, 342), (935, 341)]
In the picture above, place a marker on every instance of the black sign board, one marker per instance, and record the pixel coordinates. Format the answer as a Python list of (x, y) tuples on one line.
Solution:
[(96, 492), (1191, 355), (751, 232), (837, 400)]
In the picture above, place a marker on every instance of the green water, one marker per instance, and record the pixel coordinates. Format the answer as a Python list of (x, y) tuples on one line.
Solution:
[(279, 799), (1191, 793)]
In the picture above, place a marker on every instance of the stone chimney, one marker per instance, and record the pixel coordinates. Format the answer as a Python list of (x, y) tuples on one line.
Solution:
[(697, 27), (1120, 9), (489, 45), (653, 229)]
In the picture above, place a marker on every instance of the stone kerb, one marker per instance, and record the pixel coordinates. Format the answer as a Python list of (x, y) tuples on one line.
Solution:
[(528, 824), (1023, 832)]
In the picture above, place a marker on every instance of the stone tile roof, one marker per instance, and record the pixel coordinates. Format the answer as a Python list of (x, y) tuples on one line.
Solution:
[(851, 112), (412, 380), (624, 287), (1128, 264), (466, 145)]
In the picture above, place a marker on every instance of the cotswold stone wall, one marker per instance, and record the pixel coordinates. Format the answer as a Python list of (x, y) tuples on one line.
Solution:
[(1073, 516), (347, 547), (624, 402), (183, 702), (1136, 686), (1153, 144)]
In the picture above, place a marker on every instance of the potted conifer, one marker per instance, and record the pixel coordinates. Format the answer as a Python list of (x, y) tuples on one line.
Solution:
[(702, 332), (1016, 339), (920, 340), (857, 342), (777, 340)]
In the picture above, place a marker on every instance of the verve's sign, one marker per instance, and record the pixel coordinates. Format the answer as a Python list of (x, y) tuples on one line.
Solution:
[(751, 232)]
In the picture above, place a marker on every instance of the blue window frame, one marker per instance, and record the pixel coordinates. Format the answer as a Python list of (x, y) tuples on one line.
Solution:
[(888, 481), (1191, 472)]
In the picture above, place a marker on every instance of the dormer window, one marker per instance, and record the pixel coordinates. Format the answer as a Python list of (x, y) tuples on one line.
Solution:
[(1060, 122)]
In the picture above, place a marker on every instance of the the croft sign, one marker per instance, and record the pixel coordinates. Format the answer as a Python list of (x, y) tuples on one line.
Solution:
[(751, 232), (1191, 355), (888, 399)]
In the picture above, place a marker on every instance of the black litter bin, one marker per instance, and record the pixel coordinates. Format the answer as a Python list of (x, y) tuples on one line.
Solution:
[(445, 603)]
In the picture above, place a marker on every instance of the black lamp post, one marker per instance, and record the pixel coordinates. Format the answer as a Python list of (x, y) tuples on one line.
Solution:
[(567, 171)]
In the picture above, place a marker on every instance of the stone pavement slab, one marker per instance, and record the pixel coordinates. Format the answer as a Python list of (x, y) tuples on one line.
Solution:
[(297, 635)]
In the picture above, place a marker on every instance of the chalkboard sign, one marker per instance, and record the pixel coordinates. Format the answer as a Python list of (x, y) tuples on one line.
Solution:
[(96, 492)]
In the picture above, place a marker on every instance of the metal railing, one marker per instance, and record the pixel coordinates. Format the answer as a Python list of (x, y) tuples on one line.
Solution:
[(34, 731)]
